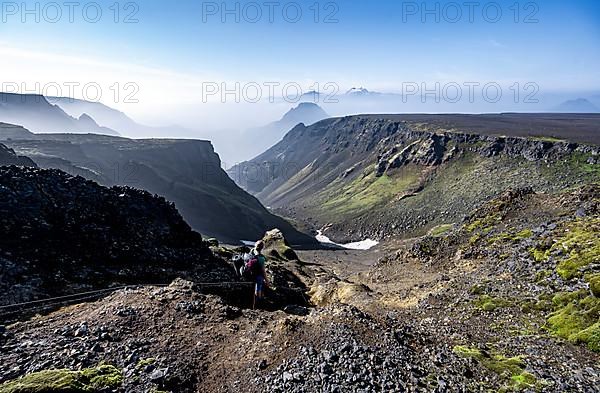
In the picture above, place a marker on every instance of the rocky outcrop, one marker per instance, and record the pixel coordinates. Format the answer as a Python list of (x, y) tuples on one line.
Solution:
[(61, 234), (428, 151), (431, 149), (277, 247)]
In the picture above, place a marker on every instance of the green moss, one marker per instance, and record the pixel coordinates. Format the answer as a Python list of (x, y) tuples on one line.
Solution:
[(546, 139), (366, 192), (582, 243), (474, 239), (576, 319), (524, 234), (562, 299), (512, 368), (523, 381), (441, 230), (594, 282), (145, 362), (544, 303), (477, 290), (579, 162), (489, 303), (575, 167), (467, 352), (474, 226), (539, 255), (590, 336), (103, 377), (542, 275), (45, 381), (579, 241), (66, 381), (512, 237)]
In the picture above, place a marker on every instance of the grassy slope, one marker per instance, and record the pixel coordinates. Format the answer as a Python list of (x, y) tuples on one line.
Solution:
[(449, 192)]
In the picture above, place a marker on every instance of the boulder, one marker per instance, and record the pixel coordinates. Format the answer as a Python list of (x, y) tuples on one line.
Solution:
[(277, 247)]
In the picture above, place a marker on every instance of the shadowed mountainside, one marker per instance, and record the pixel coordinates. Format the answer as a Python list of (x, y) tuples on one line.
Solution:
[(186, 172)]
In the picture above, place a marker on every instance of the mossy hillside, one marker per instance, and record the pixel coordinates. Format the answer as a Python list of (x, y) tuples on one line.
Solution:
[(512, 369), (576, 246), (66, 381), (582, 243), (410, 204), (576, 166), (580, 162), (568, 257), (366, 192), (577, 318)]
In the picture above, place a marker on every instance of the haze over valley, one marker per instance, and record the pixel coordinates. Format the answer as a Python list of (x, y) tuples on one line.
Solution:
[(299, 197)]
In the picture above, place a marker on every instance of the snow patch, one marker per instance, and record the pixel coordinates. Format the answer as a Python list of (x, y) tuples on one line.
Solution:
[(364, 245)]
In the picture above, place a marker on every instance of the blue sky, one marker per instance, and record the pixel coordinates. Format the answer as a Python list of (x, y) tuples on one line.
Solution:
[(376, 44)]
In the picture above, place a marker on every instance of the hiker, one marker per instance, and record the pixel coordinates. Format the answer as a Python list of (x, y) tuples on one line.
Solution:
[(261, 274)]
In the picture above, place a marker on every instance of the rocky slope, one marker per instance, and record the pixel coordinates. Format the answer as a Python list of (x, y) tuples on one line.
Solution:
[(376, 176), (506, 300), (186, 172), (61, 234)]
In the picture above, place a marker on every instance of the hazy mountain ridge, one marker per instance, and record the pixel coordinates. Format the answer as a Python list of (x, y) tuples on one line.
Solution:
[(113, 118), (34, 112), (252, 142)]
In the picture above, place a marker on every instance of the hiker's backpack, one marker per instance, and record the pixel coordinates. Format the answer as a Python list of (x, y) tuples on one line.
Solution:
[(251, 268)]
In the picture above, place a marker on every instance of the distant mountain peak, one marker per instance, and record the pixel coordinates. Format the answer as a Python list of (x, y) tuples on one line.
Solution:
[(305, 112), (86, 119), (358, 91), (578, 105)]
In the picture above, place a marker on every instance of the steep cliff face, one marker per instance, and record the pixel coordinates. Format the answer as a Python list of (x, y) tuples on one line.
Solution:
[(186, 172), (374, 176)]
